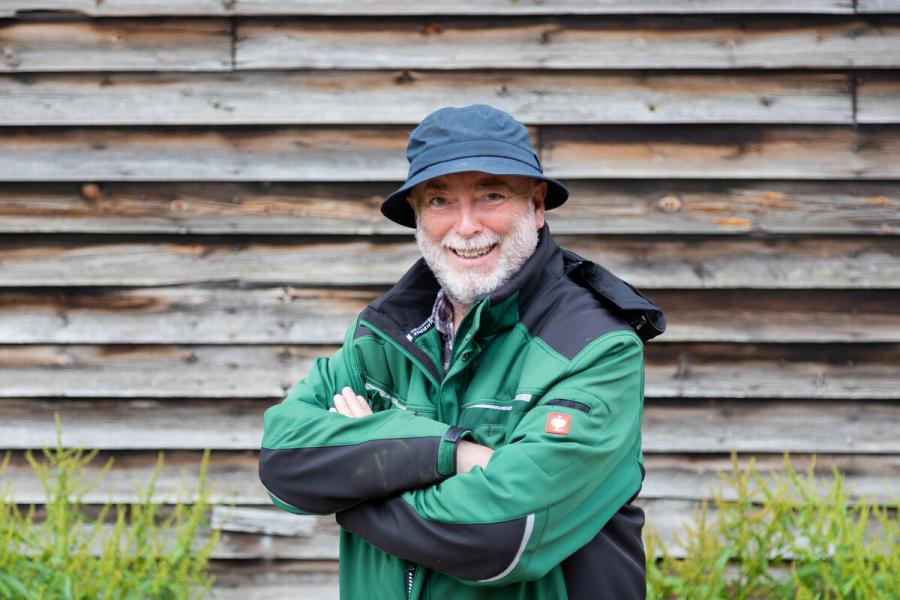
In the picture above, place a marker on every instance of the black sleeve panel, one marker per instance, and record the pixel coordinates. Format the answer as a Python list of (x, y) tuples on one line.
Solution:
[(619, 552), (318, 480), (466, 551)]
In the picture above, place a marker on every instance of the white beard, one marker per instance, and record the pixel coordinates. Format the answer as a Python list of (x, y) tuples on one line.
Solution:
[(462, 285)]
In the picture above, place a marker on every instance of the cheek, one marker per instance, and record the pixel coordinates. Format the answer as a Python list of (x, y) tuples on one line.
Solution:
[(435, 225)]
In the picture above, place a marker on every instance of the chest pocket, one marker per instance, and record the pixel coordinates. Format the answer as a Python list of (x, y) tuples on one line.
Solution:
[(492, 421), (381, 399)]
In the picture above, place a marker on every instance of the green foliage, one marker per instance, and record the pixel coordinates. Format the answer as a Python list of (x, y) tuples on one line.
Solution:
[(788, 536), (138, 551)]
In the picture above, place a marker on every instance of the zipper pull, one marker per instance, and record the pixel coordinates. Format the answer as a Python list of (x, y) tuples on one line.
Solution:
[(410, 576)]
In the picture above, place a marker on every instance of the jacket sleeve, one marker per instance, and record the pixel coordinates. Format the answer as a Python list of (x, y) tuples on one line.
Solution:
[(319, 462), (543, 495)]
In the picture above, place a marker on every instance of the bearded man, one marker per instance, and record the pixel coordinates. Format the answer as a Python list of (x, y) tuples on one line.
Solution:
[(478, 433)]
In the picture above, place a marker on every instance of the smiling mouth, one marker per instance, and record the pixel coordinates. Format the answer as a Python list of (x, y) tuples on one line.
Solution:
[(472, 252)]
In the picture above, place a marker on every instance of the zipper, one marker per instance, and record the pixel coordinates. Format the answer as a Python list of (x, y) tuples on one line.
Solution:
[(410, 577)]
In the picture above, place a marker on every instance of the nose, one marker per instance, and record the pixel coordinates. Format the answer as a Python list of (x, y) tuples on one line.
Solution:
[(468, 221)]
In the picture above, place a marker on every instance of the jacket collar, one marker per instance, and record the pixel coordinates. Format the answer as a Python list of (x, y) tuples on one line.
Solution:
[(407, 305)]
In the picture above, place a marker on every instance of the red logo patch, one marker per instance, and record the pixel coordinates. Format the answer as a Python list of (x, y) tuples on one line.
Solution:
[(558, 423)]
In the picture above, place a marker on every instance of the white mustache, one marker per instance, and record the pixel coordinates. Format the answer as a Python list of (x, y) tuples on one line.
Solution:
[(457, 242)]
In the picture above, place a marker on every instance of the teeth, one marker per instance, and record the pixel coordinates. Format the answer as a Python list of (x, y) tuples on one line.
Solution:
[(472, 253)]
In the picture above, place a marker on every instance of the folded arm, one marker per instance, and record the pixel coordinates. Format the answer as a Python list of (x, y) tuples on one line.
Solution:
[(314, 460), (543, 495)]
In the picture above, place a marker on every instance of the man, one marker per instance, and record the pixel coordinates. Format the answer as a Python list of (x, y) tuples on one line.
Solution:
[(478, 434)]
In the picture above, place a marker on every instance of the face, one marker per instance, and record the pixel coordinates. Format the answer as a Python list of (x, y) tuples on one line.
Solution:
[(476, 230)]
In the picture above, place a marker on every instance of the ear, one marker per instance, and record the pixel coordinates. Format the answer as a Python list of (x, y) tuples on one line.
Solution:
[(537, 197)]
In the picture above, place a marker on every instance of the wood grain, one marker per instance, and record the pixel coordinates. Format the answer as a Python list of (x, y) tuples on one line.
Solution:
[(154, 372), (120, 8), (377, 154), (594, 207), (723, 263), (878, 98), (878, 6), (707, 152), (274, 582), (198, 154), (568, 43), (404, 97), (116, 45), (291, 315)]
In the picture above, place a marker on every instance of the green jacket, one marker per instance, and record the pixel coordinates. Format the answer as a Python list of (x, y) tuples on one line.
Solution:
[(548, 371)]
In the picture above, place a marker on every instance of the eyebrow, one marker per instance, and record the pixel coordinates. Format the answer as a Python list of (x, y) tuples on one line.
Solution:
[(433, 185), (494, 182)]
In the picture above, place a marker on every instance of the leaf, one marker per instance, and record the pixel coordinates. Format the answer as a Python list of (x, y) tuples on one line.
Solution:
[(13, 585)]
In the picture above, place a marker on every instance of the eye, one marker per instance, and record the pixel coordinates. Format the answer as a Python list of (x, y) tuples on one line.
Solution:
[(436, 202), (493, 197)]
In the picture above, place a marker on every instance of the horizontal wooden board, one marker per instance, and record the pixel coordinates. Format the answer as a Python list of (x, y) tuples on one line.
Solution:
[(233, 479), (285, 154), (561, 43), (723, 425), (116, 45), (836, 263), (120, 8), (290, 315), (273, 582), (878, 6), (378, 153), (690, 371), (774, 316), (594, 207), (706, 151), (878, 98), (403, 97), (153, 371)]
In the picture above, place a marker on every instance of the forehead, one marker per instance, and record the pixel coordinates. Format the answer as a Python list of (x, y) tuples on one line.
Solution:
[(473, 180)]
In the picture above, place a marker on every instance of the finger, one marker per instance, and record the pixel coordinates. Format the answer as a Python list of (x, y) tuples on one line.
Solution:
[(359, 404), (340, 403), (356, 404), (332, 409)]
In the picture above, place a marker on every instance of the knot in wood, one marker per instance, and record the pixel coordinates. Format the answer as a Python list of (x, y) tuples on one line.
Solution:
[(404, 77), (9, 57), (430, 29), (90, 191), (670, 203)]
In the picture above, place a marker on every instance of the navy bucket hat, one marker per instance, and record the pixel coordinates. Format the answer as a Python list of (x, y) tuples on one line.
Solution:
[(472, 138)]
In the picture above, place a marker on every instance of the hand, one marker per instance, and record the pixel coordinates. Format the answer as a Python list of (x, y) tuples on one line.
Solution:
[(470, 454), (350, 405)]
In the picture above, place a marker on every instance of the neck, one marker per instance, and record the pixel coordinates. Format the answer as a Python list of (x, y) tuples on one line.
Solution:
[(459, 311)]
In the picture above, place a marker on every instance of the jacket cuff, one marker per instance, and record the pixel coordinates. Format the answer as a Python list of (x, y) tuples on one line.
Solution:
[(447, 450)]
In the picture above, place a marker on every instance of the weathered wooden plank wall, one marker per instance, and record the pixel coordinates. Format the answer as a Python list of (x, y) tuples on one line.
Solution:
[(189, 215)]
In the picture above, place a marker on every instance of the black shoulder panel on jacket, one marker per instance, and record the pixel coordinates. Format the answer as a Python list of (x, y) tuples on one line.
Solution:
[(568, 317), (645, 317), (362, 331)]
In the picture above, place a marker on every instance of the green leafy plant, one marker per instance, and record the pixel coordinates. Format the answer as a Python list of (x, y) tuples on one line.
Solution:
[(787, 536), (64, 550)]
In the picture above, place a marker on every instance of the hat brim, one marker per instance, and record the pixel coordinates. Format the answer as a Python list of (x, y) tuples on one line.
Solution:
[(396, 208)]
